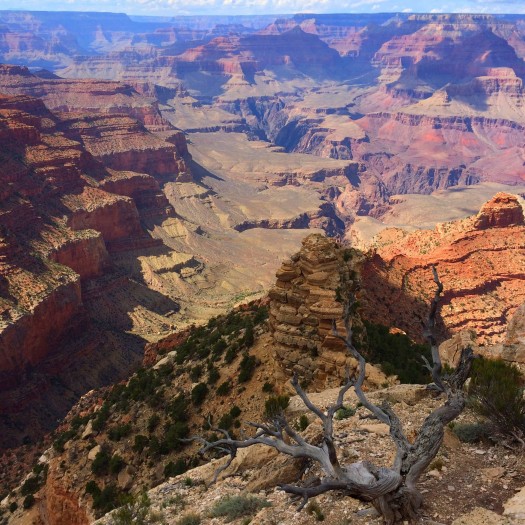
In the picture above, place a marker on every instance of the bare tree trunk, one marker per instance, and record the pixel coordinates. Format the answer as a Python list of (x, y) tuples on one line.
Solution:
[(392, 491)]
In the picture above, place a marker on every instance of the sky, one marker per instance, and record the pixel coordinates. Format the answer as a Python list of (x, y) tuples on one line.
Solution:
[(247, 7)]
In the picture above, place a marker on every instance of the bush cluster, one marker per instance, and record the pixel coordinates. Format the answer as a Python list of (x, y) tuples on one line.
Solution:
[(234, 507), (247, 368), (106, 499), (396, 353), (496, 392), (173, 469), (471, 432), (229, 333), (275, 405), (345, 413)]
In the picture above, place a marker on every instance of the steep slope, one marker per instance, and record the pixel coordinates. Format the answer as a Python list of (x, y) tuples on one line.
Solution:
[(119, 440), (480, 261), (221, 370), (63, 216)]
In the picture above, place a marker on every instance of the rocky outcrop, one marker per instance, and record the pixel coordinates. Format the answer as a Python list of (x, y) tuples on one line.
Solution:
[(502, 211), (513, 346), (85, 254), (90, 96), (62, 504), (112, 121), (121, 143), (480, 261), (302, 309)]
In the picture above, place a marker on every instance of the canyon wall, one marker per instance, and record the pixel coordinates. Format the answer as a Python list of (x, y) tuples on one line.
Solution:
[(73, 195), (480, 261)]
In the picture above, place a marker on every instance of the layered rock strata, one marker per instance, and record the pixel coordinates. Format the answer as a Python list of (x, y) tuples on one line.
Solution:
[(480, 260), (64, 215), (304, 305)]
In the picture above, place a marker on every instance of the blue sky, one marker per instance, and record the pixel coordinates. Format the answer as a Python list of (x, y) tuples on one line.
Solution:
[(231, 7)]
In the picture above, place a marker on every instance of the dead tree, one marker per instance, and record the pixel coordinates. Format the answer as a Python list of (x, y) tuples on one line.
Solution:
[(392, 491)]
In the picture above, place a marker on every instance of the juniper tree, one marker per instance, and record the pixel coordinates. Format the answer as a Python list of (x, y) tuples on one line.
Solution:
[(391, 490)]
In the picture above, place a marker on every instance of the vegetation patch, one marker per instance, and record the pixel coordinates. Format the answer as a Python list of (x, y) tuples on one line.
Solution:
[(233, 507), (496, 393), (275, 405), (471, 432), (396, 353), (189, 519)]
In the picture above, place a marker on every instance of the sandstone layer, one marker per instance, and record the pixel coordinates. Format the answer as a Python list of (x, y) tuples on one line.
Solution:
[(304, 305), (66, 210), (480, 261)]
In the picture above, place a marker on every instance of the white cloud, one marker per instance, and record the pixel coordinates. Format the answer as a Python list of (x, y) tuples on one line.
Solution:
[(232, 7)]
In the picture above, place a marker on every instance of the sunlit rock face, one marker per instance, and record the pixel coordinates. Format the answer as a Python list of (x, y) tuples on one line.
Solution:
[(480, 261)]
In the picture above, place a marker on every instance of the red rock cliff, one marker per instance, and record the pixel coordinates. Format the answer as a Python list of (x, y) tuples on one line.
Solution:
[(481, 261)]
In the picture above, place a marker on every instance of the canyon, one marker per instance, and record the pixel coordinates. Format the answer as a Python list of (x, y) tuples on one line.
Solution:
[(157, 172)]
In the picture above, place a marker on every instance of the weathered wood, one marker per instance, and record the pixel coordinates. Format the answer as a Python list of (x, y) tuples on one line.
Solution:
[(392, 491)]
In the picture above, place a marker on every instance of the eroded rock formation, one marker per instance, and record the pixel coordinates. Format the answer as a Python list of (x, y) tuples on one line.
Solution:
[(66, 211), (480, 260), (304, 304)]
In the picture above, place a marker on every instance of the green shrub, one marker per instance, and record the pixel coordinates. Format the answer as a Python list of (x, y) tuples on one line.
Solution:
[(496, 392), (344, 413), (437, 464), (174, 469), (107, 499), (219, 347), (225, 422), (30, 486), (260, 315), (224, 389), (188, 482), (267, 388), (13, 506), (471, 432), (153, 422), (116, 464), (247, 368), (40, 468), (198, 394), (178, 408), (140, 443), (29, 501), (235, 411), (156, 399), (154, 448), (303, 422), (248, 338), (119, 432), (100, 465), (396, 353), (314, 509), (231, 354), (189, 519), (195, 373), (174, 433), (100, 419), (78, 421), (136, 512), (92, 487), (213, 375), (275, 405), (233, 507), (143, 385), (62, 439)]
